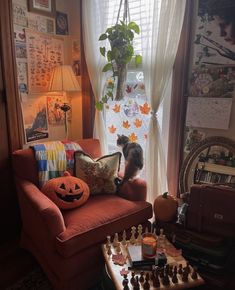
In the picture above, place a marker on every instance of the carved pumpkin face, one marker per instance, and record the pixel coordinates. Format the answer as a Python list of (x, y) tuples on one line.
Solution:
[(67, 191)]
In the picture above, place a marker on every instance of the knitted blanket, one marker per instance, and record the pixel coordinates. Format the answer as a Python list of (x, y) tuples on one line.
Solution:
[(53, 158)]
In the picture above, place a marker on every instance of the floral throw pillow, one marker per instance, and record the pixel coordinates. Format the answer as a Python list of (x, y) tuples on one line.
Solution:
[(99, 174)]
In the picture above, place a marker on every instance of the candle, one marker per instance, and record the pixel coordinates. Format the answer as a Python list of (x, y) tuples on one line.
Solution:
[(149, 245)]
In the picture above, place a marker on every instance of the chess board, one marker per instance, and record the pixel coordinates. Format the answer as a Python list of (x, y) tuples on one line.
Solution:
[(117, 265)]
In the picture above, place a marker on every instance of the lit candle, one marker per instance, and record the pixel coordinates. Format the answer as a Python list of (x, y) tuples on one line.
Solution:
[(149, 245)]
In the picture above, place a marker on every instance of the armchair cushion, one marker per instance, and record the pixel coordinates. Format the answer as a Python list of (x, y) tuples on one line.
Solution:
[(102, 215), (99, 174)]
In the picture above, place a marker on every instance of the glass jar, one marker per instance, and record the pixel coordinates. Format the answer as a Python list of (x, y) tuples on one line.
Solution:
[(149, 245)]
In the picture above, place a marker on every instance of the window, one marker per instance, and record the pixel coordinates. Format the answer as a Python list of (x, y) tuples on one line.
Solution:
[(131, 115)]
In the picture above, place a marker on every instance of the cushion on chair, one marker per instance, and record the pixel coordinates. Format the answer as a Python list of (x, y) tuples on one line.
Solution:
[(99, 174), (102, 215)]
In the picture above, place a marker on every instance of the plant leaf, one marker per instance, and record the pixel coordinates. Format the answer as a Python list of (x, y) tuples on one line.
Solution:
[(99, 106), (102, 50), (138, 60), (133, 26), (107, 67), (103, 36)]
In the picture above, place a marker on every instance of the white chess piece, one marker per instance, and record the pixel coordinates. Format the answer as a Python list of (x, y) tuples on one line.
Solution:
[(139, 238), (115, 240), (133, 231), (124, 237)]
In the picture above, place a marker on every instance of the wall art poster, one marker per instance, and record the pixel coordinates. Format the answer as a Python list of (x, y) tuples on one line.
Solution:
[(35, 119), (41, 23), (215, 33), (44, 53), (20, 14), (213, 113), (55, 114)]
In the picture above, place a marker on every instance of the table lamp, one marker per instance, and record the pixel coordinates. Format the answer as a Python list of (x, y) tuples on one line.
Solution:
[(64, 80)]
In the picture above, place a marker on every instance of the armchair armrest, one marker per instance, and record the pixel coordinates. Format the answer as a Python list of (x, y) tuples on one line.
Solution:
[(34, 203), (135, 190)]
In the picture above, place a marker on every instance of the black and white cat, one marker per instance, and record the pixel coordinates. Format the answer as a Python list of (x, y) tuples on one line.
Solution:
[(133, 154)]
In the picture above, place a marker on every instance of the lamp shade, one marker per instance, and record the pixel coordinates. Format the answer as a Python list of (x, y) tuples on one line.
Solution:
[(63, 79)]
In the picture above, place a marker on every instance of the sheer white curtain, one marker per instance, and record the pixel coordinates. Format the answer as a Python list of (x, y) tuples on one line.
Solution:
[(159, 50), (95, 22)]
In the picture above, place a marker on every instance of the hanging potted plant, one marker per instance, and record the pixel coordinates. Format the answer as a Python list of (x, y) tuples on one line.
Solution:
[(121, 53)]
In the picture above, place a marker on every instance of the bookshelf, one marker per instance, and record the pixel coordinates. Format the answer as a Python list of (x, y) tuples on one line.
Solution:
[(213, 173)]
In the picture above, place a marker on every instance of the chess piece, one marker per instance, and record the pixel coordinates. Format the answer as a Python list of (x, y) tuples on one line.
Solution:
[(125, 283), (115, 240), (156, 282), (141, 277), (194, 274), (124, 238), (174, 278), (136, 285), (185, 276), (132, 238), (139, 238), (146, 284), (118, 249), (132, 278), (146, 230), (175, 271), (109, 251), (180, 270), (188, 267), (165, 280), (108, 242)]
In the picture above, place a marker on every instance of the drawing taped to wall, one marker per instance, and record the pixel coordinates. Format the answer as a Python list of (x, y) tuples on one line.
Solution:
[(55, 114), (44, 53), (41, 23)]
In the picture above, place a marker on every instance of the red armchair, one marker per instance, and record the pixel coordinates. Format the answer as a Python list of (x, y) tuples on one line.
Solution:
[(67, 243)]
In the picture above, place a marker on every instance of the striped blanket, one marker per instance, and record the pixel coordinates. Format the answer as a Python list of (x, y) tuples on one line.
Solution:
[(53, 158)]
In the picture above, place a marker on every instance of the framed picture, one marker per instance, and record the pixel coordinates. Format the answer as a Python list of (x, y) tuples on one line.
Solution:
[(61, 23), (44, 7)]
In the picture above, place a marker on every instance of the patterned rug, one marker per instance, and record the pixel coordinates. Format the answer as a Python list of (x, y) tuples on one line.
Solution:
[(37, 280)]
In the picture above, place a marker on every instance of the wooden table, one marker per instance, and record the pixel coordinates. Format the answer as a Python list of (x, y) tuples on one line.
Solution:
[(117, 278)]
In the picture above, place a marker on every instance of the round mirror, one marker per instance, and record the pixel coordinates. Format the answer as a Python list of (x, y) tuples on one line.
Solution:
[(210, 161)]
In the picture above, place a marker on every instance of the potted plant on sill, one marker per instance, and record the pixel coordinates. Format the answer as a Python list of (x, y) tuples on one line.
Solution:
[(121, 53)]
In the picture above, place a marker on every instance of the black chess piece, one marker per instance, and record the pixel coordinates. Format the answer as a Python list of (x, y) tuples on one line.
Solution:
[(156, 282), (185, 275), (146, 284), (165, 280), (132, 278), (174, 278), (180, 270), (141, 277), (170, 271), (187, 267)]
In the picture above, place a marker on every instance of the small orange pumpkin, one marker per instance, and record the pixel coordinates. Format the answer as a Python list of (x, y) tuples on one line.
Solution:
[(165, 207), (67, 191)]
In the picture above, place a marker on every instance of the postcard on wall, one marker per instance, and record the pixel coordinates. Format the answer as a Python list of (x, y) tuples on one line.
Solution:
[(75, 49), (55, 114), (44, 53), (35, 119), (20, 50), (20, 14), (41, 23), (215, 39), (62, 23), (22, 76), (19, 33), (213, 113)]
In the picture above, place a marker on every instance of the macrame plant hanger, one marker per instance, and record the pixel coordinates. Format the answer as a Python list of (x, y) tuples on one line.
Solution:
[(122, 68)]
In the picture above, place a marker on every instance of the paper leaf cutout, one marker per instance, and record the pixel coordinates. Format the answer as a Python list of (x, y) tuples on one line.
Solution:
[(138, 123), (116, 108), (124, 272), (126, 124), (119, 259), (133, 137), (112, 129), (145, 109)]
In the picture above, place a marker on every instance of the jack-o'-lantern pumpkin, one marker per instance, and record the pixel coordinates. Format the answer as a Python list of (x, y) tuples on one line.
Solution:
[(165, 207), (67, 191)]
